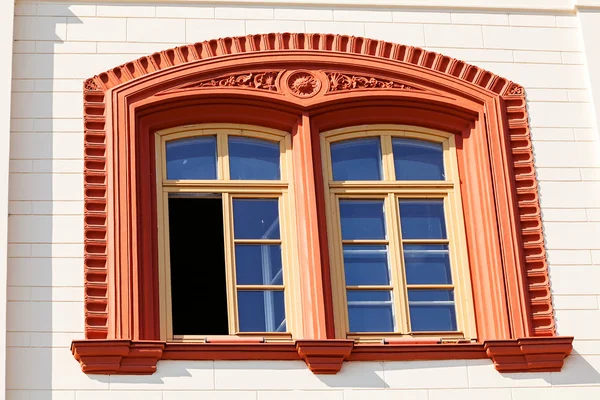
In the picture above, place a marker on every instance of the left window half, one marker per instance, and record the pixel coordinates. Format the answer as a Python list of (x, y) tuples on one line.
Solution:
[(226, 255)]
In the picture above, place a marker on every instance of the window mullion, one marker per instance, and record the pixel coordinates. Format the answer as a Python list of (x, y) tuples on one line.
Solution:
[(397, 264), (339, 291), (223, 155), (387, 158), (230, 263)]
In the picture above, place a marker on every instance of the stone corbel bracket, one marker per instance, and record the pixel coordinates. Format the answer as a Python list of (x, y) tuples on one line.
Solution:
[(127, 357), (123, 357), (324, 356), (529, 354)]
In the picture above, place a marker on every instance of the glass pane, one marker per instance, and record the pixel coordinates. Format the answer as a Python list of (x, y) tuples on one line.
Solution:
[(370, 311), (418, 160), (193, 158), (366, 265), (251, 158), (427, 264), (261, 311), (256, 218), (362, 219), (258, 264), (356, 160), (432, 310), (422, 219)]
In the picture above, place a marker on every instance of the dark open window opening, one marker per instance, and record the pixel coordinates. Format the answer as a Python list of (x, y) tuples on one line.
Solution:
[(198, 282)]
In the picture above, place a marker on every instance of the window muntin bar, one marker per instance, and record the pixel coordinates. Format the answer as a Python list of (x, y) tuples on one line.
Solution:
[(255, 192), (422, 234)]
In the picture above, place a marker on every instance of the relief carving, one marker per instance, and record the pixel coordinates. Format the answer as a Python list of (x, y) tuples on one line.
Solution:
[(339, 81), (516, 90), (303, 84), (257, 80)]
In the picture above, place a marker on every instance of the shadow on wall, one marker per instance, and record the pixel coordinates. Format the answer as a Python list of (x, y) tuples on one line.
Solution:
[(45, 213)]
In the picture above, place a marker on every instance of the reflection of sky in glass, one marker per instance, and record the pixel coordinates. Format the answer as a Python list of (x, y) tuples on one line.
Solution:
[(366, 265), (256, 218), (432, 310), (356, 160), (418, 160), (427, 264), (422, 219), (251, 158), (193, 158), (258, 264), (370, 311), (261, 311), (362, 219)]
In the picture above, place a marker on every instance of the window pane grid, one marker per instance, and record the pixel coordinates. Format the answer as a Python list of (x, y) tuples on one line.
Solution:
[(270, 186), (260, 299), (429, 243), (425, 222)]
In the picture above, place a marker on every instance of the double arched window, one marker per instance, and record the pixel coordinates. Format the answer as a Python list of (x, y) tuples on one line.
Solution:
[(394, 223), (324, 236)]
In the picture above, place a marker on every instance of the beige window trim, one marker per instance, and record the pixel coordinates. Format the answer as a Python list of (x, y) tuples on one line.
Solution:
[(390, 191), (228, 190)]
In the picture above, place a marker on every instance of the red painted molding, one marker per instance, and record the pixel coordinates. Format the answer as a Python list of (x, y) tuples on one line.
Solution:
[(309, 83), (529, 354), (321, 356), (324, 356), (117, 356)]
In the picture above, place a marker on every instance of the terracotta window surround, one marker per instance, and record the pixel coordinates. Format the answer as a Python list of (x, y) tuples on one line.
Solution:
[(311, 83)]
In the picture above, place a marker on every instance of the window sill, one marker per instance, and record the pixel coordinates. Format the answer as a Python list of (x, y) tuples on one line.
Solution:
[(122, 357)]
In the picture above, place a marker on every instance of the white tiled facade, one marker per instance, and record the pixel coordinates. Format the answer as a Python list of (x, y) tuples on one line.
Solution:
[(57, 45)]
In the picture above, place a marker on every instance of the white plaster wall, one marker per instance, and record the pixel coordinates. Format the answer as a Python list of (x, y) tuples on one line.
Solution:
[(58, 45)]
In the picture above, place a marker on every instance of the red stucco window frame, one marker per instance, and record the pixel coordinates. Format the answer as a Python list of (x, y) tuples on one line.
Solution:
[(382, 82)]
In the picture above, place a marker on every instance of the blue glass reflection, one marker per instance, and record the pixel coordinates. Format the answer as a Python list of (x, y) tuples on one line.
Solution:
[(427, 264), (362, 219), (422, 219), (418, 160), (370, 311), (258, 264), (251, 158), (261, 311), (193, 158), (366, 265), (256, 218), (356, 160), (432, 310)]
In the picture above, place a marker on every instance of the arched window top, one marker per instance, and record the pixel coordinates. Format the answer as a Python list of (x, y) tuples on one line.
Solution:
[(223, 152), (383, 152)]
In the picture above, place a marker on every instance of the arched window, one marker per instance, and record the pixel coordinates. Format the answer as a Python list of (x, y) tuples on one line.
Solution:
[(398, 252), (225, 238), (342, 238)]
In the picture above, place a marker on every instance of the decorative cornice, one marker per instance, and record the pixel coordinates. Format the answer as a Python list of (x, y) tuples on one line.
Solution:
[(321, 356), (297, 41)]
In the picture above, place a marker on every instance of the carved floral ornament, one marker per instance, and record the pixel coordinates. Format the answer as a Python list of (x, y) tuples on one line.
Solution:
[(512, 296), (300, 83)]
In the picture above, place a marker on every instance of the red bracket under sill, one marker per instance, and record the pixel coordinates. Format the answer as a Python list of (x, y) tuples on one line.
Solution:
[(122, 357)]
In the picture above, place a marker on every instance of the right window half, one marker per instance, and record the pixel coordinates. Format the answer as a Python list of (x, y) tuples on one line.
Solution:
[(397, 246)]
